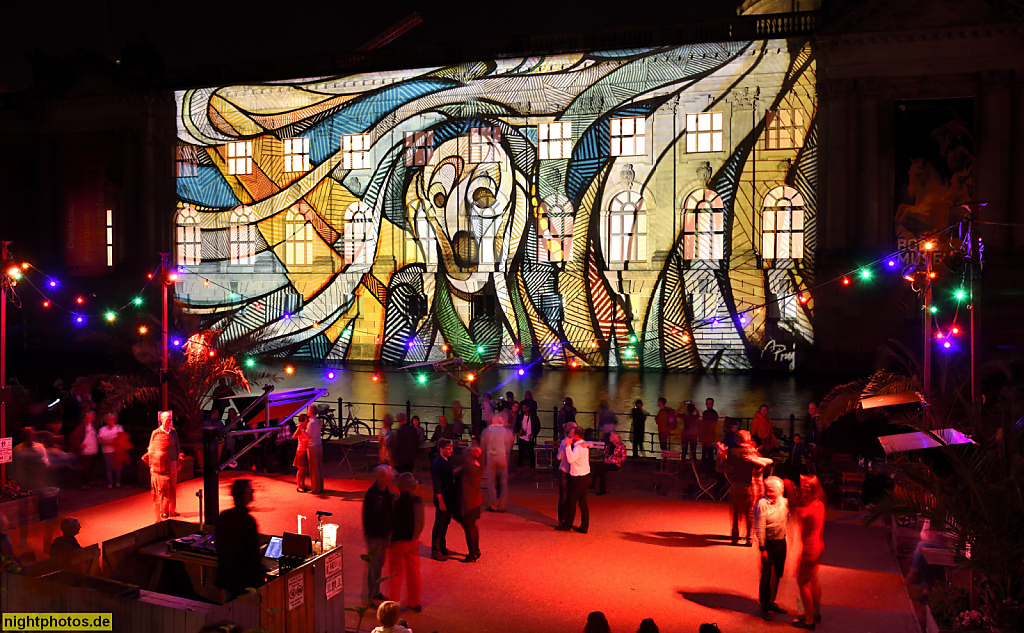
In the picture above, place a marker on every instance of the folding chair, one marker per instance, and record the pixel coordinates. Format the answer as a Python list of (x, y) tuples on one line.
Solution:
[(667, 472), (545, 465), (851, 489), (706, 483)]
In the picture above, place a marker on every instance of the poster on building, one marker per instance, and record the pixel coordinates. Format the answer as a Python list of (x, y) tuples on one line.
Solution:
[(934, 165), (6, 450)]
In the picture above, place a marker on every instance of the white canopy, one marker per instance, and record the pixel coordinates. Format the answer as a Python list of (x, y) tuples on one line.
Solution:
[(915, 441)]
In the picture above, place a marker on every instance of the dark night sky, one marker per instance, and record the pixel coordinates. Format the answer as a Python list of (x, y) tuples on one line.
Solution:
[(193, 33)]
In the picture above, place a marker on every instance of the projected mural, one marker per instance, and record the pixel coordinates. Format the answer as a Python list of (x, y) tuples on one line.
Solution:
[(638, 209)]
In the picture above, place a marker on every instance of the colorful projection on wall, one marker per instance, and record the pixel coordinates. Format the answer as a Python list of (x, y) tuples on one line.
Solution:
[(646, 208)]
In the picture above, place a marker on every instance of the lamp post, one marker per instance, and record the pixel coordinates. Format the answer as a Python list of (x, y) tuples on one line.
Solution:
[(164, 283), (5, 392), (927, 379)]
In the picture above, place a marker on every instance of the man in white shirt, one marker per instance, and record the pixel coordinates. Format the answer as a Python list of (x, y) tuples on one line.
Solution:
[(770, 520), (576, 453), (315, 451), (563, 472), (496, 442)]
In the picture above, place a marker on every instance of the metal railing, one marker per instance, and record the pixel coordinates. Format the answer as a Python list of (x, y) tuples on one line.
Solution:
[(585, 419)]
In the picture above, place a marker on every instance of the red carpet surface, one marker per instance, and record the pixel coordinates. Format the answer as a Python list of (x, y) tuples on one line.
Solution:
[(645, 556)]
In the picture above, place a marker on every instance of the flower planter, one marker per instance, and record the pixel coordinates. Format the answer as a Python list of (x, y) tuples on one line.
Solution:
[(21, 511)]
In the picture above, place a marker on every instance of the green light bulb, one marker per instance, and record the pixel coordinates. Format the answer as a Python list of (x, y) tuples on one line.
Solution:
[(111, 316)]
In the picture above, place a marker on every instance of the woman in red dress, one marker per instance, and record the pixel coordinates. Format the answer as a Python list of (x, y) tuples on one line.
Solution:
[(811, 516)]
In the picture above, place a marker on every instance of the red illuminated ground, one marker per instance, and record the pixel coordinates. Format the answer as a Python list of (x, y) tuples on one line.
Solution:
[(645, 556)]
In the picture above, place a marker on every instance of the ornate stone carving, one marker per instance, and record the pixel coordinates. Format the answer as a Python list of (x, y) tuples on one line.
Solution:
[(628, 175), (704, 173), (745, 98)]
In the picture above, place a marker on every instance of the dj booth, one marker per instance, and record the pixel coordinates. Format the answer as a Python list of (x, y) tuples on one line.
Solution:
[(161, 578)]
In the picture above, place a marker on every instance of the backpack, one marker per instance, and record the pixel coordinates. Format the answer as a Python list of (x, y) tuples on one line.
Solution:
[(672, 422)]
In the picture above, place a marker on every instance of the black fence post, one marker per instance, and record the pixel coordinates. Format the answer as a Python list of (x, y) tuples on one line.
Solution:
[(340, 416), (555, 431), (408, 410), (475, 413), (792, 425), (211, 476)]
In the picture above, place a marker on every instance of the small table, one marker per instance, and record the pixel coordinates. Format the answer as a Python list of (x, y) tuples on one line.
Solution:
[(348, 443)]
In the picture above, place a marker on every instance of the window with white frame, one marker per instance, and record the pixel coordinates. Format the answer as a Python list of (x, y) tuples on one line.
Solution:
[(704, 132), (627, 228), (296, 155), (703, 225), (782, 224), (188, 237), (484, 143), (187, 161), (355, 151), (555, 139), (426, 237), (239, 158), (554, 229), (629, 136), (419, 147), (359, 236), (704, 306), (110, 237), (298, 240), (486, 230), (241, 237), (784, 129)]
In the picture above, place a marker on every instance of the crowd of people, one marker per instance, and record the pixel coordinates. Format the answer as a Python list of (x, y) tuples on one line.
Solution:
[(393, 510)]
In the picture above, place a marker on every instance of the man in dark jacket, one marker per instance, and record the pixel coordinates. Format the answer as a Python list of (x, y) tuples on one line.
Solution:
[(471, 499), (405, 445), (239, 561), (378, 520), (443, 477)]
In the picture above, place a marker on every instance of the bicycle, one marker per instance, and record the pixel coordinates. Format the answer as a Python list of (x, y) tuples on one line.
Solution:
[(330, 427)]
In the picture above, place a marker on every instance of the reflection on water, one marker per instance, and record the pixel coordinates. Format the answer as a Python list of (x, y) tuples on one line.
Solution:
[(735, 395)]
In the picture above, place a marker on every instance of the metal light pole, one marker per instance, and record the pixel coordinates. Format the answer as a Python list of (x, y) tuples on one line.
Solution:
[(928, 249), (164, 259), (4, 391)]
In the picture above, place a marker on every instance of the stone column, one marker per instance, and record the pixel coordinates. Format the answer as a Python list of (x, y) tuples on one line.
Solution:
[(833, 216), (992, 174), (869, 230), (1016, 195)]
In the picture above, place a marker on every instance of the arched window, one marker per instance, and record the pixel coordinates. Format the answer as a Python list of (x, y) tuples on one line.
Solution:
[(703, 225), (359, 236), (241, 237), (554, 229), (782, 224), (627, 228), (298, 240), (188, 237)]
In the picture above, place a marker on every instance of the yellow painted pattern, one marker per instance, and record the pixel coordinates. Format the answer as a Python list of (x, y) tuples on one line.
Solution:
[(240, 122)]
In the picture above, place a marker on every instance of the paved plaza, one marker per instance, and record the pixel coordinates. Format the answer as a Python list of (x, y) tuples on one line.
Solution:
[(646, 555)]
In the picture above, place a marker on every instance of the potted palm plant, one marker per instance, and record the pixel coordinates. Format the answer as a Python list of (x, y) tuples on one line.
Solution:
[(975, 490)]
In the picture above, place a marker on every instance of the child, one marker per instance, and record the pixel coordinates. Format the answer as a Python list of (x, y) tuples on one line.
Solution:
[(387, 615)]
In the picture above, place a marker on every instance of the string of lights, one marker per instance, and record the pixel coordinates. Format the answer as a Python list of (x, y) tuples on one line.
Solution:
[(911, 272)]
